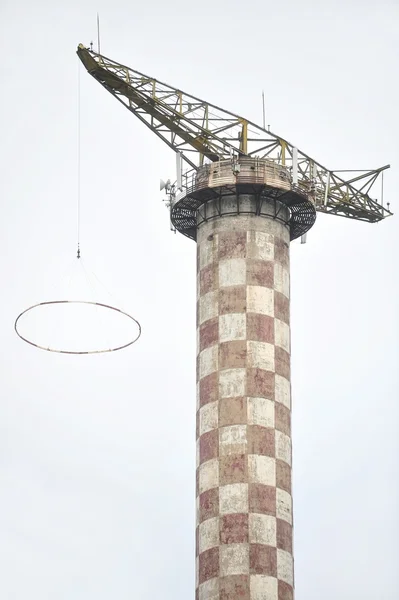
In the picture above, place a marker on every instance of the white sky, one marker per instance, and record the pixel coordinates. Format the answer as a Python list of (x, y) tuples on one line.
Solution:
[(97, 454)]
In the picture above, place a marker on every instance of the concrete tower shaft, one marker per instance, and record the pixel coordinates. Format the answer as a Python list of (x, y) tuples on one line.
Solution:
[(244, 503)]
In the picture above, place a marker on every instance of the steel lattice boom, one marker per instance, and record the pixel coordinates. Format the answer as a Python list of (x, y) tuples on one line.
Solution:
[(200, 130)]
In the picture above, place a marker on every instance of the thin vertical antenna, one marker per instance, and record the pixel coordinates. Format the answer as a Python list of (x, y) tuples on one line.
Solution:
[(78, 167), (263, 105), (179, 170), (295, 166), (98, 34)]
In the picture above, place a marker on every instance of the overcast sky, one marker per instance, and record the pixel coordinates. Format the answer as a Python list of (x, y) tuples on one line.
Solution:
[(97, 453)]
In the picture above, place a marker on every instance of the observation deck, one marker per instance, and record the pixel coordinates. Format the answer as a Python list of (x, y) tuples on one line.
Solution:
[(243, 185)]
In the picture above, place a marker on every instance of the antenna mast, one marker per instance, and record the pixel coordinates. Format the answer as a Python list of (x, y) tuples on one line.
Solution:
[(98, 33), (263, 106)]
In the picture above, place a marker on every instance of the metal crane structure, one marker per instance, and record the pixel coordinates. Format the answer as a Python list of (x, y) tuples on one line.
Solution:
[(245, 194)]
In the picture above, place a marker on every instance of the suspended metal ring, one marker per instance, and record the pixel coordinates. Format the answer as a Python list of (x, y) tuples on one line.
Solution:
[(53, 302)]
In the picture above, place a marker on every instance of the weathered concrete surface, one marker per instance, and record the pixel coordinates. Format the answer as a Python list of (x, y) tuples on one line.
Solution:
[(244, 504)]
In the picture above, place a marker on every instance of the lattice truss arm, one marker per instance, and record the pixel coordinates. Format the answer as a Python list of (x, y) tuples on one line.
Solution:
[(201, 131)]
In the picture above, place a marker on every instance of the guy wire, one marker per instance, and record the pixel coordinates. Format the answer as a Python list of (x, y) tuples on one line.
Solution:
[(78, 167)]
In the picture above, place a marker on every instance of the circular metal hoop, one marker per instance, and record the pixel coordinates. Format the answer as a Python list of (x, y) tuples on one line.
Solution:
[(54, 302)]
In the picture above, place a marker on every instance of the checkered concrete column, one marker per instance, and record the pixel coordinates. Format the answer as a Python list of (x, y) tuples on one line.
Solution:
[(244, 504)]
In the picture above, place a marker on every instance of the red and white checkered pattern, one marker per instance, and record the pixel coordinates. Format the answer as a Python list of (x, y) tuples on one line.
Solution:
[(244, 504)]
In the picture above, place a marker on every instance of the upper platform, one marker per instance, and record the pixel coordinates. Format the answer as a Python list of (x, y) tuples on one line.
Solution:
[(267, 183)]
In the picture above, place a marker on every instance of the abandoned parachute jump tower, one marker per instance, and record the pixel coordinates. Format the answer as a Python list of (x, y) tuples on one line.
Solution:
[(247, 193)]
